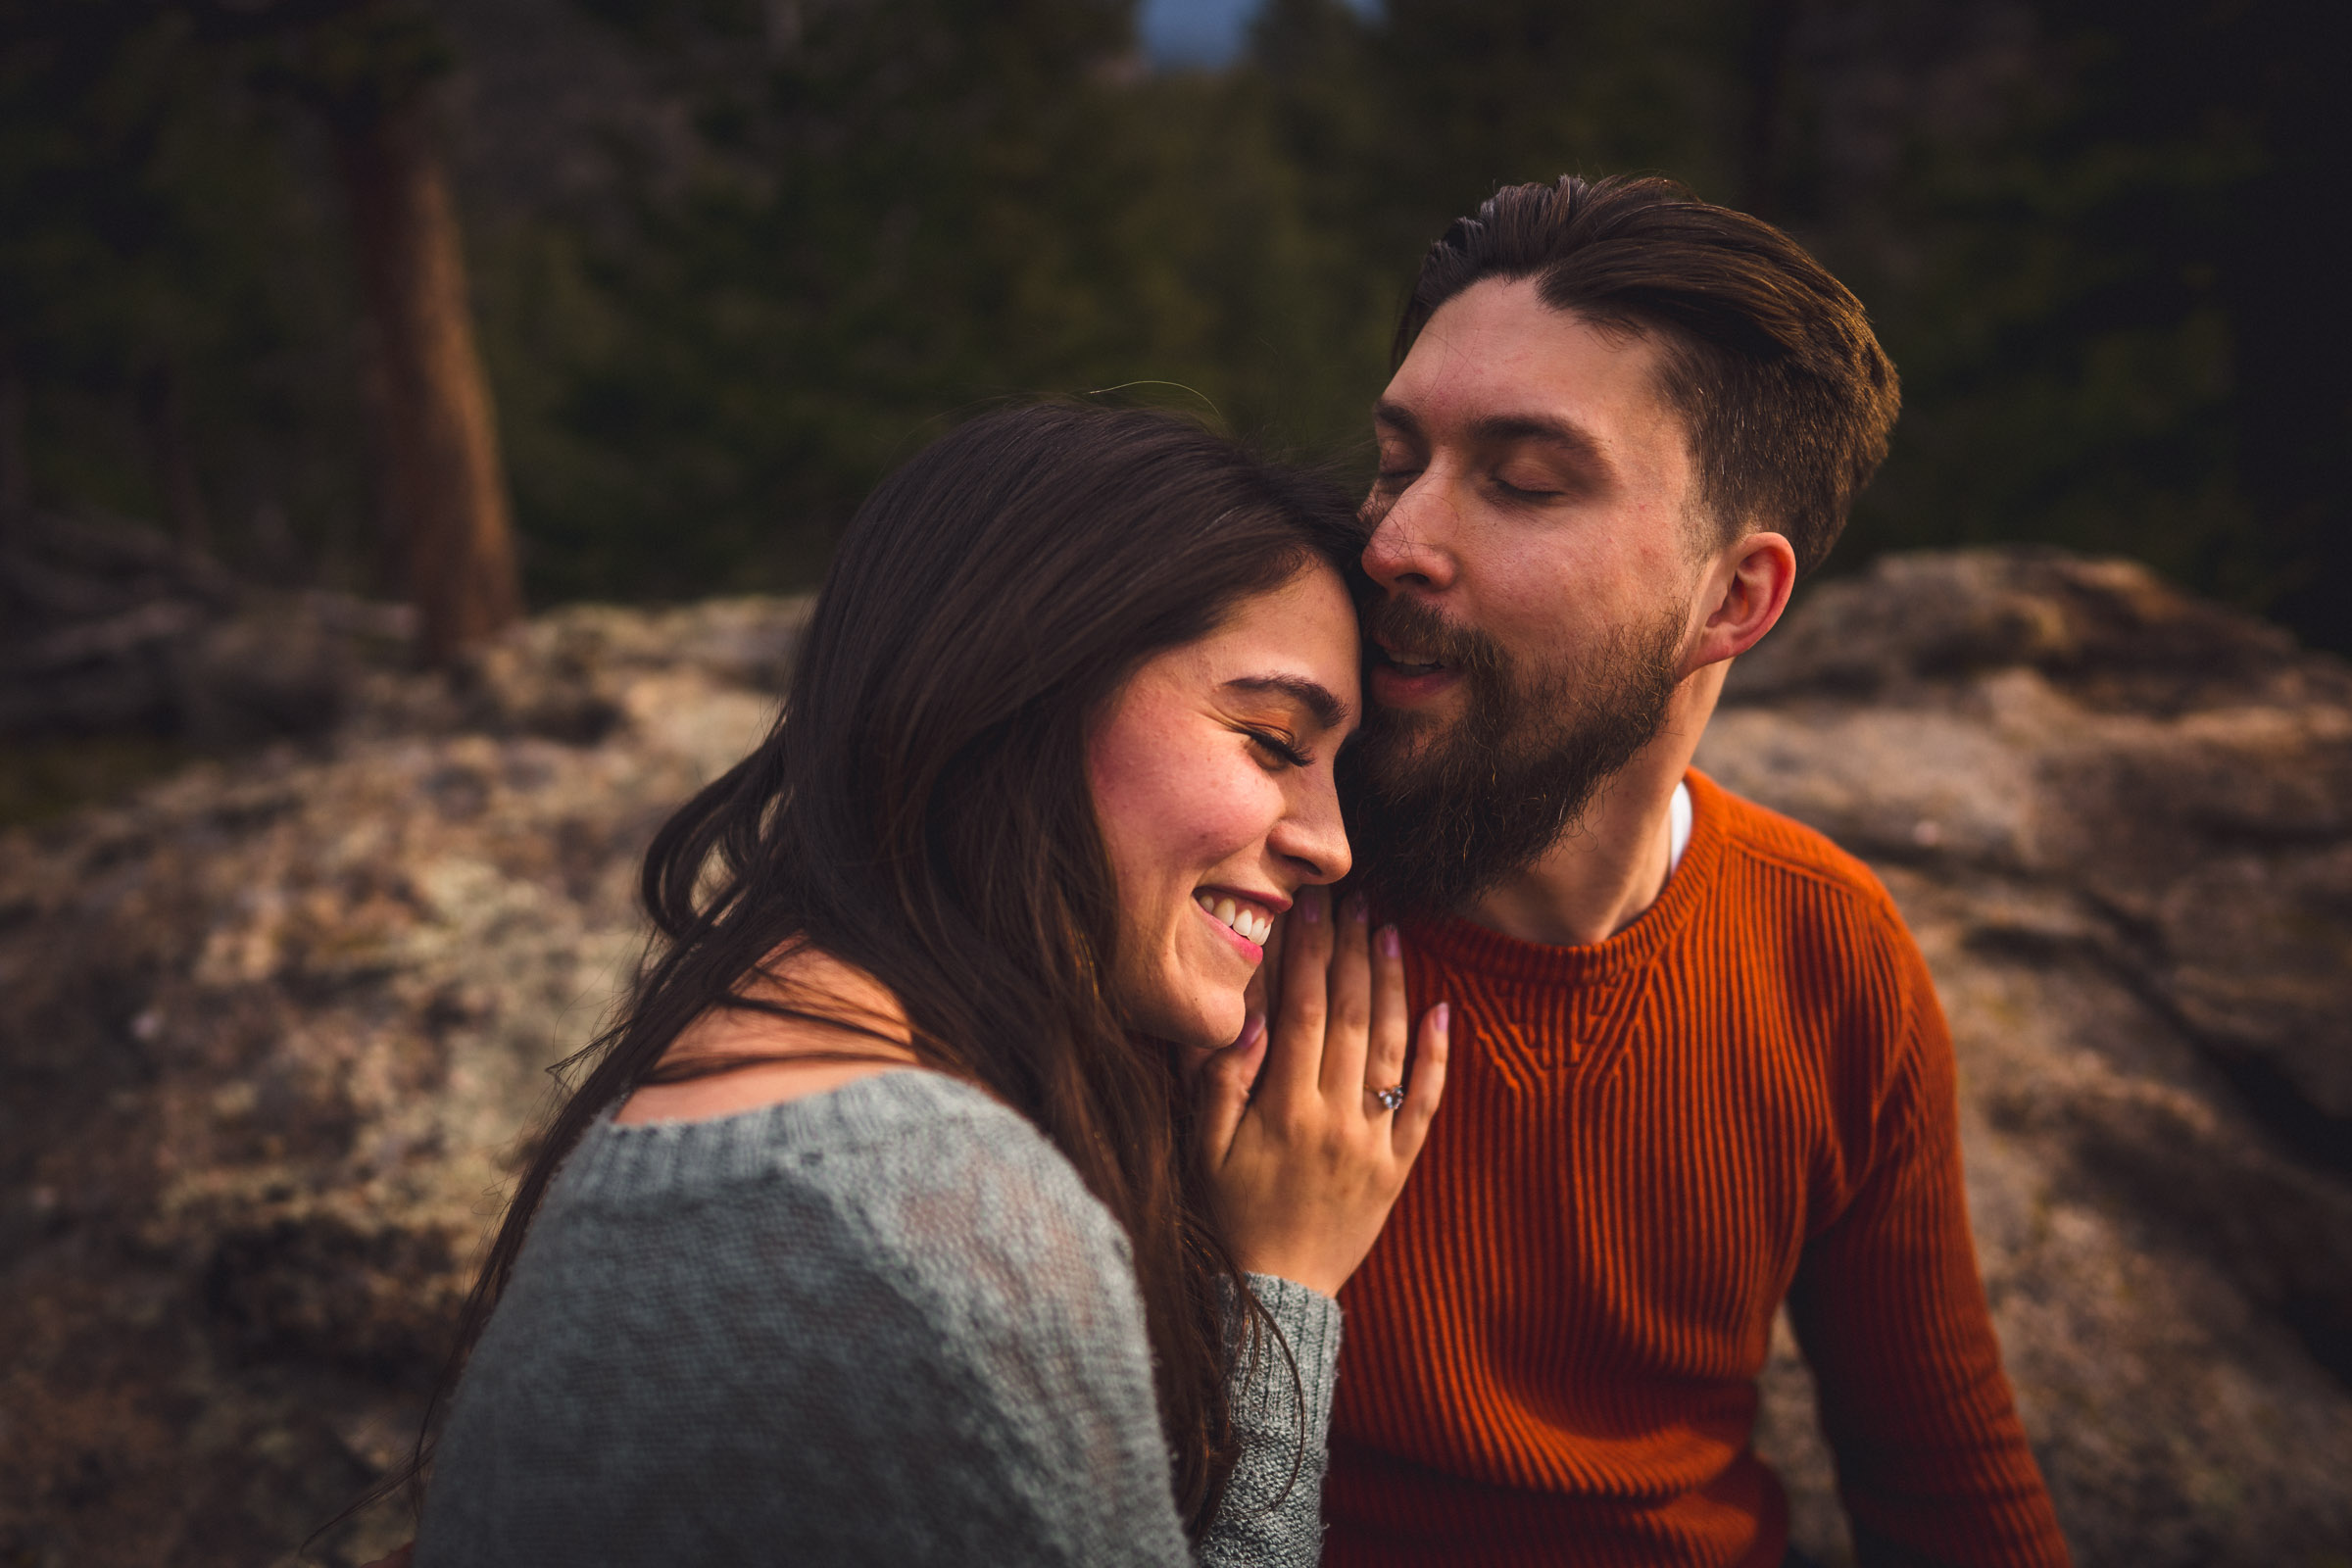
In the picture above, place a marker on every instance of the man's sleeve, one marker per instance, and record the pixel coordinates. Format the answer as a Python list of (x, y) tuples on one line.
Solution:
[(1931, 1460)]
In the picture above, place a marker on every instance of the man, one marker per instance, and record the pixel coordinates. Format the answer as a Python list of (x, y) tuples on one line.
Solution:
[(1699, 1067)]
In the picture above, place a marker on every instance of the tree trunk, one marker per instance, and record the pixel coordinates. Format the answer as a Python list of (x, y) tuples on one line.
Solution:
[(443, 492), (16, 460), (164, 411)]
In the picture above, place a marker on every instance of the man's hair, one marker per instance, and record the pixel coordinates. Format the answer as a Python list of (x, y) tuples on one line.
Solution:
[(1770, 361)]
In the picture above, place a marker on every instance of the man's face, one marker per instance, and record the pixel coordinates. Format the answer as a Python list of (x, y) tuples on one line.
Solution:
[(1537, 532)]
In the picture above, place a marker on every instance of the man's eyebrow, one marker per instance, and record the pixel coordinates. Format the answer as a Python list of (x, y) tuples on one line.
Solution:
[(1315, 697), (1499, 428), (1397, 417), (1496, 428)]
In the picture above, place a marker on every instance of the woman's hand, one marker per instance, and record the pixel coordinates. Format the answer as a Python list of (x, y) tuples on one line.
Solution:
[(1305, 1174)]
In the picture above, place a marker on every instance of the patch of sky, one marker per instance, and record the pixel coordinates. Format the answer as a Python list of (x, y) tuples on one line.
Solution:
[(1204, 32)]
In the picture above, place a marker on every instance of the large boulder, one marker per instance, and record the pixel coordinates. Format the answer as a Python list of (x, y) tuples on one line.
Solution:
[(272, 1034), (2119, 822), (275, 1031), (107, 630)]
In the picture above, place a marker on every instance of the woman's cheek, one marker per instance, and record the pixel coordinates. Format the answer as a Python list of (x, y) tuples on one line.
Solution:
[(1230, 811), (1129, 768)]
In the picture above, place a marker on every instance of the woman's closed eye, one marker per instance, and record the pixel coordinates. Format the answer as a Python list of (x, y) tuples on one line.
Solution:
[(1280, 749), (1398, 465)]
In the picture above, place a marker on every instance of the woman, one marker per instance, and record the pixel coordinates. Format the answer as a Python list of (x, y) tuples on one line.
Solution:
[(887, 1229)]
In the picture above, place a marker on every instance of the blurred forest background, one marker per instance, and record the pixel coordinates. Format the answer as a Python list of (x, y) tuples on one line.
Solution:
[(729, 259), (311, 306)]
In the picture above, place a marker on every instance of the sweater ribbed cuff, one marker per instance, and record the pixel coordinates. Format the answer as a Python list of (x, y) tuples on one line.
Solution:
[(1309, 1325)]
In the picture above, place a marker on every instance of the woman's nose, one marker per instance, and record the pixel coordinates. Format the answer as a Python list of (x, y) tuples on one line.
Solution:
[(1313, 837)]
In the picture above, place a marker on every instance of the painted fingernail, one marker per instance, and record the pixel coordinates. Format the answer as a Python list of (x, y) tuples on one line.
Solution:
[(1390, 946), (1253, 1031), (1310, 906), (1440, 1017), (1359, 908)]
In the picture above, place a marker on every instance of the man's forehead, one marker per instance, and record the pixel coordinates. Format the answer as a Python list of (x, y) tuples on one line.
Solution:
[(1496, 352)]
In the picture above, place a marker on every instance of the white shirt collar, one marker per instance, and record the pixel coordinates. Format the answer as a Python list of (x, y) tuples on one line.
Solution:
[(1678, 827)]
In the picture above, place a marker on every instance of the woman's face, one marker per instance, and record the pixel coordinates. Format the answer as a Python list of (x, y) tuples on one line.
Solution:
[(1212, 781)]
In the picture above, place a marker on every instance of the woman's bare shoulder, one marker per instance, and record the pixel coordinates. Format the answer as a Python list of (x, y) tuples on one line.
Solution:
[(787, 1057)]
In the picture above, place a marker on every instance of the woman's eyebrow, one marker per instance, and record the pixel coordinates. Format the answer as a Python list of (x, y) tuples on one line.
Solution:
[(1315, 697)]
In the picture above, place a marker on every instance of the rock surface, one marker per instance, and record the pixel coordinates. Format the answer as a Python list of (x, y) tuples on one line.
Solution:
[(272, 1031), (106, 627), (2119, 822)]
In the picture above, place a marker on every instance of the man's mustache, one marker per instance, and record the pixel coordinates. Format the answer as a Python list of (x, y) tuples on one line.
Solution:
[(1404, 622)]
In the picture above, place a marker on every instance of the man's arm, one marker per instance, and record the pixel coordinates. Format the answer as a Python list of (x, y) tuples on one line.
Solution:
[(1932, 1459)]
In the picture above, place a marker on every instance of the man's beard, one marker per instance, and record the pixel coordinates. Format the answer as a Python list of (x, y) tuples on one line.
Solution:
[(1439, 812)]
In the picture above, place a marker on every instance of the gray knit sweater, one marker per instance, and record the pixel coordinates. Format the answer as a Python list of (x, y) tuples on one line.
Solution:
[(886, 1324)]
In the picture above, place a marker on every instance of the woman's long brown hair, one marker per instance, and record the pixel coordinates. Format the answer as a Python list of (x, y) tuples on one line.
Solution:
[(920, 811)]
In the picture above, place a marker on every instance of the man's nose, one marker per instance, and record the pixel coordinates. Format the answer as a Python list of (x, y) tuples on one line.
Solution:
[(1408, 547)]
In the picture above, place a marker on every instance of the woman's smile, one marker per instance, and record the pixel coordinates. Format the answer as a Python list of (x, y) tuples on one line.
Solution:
[(1248, 920)]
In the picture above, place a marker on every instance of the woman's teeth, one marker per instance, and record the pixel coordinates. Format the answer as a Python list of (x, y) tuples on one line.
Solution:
[(1248, 923)]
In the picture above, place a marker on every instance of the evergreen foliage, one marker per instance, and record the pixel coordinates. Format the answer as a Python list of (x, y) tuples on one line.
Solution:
[(172, 282), (2092, 233)]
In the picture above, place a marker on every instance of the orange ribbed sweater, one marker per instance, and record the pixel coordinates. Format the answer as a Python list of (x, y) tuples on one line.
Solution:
[(1747, 1094)]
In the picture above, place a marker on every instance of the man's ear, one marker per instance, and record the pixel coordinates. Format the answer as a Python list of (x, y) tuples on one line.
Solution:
[(1751, 584)]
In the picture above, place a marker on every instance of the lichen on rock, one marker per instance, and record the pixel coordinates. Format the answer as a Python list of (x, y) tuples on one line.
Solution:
[(275, 1030)]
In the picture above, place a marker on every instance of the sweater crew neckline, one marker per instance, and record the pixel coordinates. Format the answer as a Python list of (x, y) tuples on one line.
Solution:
[(1459, 943)]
